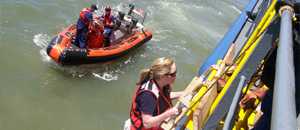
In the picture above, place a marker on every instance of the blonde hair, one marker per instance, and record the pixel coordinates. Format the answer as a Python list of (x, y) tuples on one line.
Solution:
[(160, 66)]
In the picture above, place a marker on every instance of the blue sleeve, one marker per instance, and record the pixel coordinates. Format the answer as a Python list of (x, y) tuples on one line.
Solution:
[(89, 16), (80, 24), (113, 18), (146, 102)]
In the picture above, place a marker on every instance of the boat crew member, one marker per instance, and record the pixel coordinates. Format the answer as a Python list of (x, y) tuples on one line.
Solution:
[(83, 23), (265, 92), (108, 20), (151, 104), (95, 34)]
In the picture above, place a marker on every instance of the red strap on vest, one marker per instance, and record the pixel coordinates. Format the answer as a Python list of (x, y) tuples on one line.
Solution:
[(136, 116), (107, 20)]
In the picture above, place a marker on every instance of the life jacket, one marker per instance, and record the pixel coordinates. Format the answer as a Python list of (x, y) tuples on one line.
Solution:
[(95, 36), (82, 14), (136, 116), (107, 20)]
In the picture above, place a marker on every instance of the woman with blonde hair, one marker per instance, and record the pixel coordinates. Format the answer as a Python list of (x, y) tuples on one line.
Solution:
[(151, 104)]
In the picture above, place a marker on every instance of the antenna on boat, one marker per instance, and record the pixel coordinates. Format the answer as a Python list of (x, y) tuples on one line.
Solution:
[(131, 8), (145, 15)]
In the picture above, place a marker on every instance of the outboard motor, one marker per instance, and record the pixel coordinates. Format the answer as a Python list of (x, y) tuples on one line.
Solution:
[(132, 25), (134, 22), (121, 15), (118, 23)]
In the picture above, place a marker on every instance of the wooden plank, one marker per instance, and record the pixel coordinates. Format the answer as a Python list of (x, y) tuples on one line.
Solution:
[(183, 100), (201, 112)]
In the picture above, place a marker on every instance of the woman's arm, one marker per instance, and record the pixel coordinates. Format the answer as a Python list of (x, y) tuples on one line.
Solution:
[(154, 121), (176, 95)]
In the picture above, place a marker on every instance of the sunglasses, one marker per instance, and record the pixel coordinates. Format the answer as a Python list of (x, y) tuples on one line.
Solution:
[(172, 74)]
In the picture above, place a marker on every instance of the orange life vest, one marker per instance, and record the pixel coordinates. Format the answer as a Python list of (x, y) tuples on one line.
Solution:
[(136, 116), (82, 14), (95, 36)]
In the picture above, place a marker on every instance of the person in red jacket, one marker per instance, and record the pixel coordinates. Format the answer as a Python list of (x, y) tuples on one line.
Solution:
[(151, 104), (83, 23), (108, 22), (95, 35)]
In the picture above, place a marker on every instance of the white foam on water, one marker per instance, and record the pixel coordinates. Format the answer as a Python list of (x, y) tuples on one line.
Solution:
[(106, 76), (44, 55), (41, 40), (235, 8), (220, 13), (127, 61)]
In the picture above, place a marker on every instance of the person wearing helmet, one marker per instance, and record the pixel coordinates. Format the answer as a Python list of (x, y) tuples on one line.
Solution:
[(108, 20), (83, 23)]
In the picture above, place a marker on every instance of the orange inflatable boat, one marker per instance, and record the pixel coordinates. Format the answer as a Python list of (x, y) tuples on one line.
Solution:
[(129, 35)]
